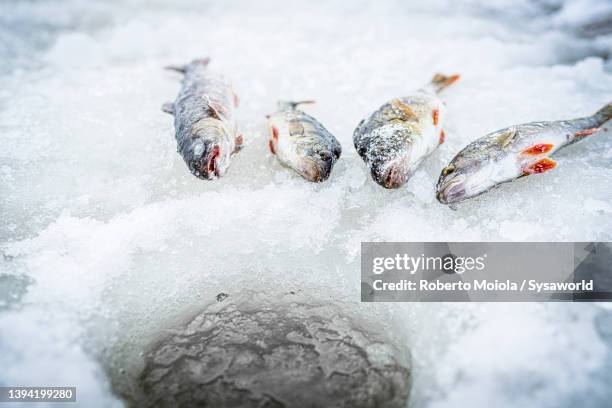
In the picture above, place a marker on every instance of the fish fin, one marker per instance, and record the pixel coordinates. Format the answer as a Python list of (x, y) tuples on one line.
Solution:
[(236, 99), (442, 136), (586, 132), (605, 113), (183, 68), (435, 116), (168, 107), (215, 110), (507, 137), (405, 109), (238, 142), (178, 68), (541, 166), (537, 149), (292, 104), (271, 146), (440, 81)]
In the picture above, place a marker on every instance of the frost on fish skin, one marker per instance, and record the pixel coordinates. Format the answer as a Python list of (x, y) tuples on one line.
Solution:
[(206, 130), (301, 143), (395, 139), (277, 354), (511, 153)]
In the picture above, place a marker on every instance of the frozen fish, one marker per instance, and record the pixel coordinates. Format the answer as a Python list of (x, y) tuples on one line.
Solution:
[(301, 143), (513, 152), (206, 130), (394, 140)]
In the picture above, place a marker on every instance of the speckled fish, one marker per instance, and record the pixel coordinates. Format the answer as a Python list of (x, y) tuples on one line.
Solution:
[(301, 143), (394, 140), (513, 152), (204, 122)]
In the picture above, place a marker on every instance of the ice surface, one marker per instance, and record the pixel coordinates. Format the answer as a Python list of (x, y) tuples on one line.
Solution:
[(115, 240)]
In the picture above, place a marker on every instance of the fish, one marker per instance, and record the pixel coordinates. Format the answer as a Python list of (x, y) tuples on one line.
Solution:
[(301, 143), (394, 140), (513, 152), (205, 126)]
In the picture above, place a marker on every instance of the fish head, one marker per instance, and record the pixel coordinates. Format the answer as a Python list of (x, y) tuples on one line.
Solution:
[(317, 164), (464, 178), (391, 154), (210, 152), (391, 173), (389, 176)]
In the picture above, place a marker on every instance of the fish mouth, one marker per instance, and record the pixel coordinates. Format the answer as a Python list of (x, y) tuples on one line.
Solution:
[(394, 177), (311, 171), (452, 191), (208, 167)]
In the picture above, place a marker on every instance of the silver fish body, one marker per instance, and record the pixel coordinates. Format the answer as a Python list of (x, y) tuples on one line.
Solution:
[(204, 120), (396, 138), (301, 143), (512, 152)]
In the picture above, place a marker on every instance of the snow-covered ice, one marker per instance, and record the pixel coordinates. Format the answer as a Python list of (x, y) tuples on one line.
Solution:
[(115, 240)]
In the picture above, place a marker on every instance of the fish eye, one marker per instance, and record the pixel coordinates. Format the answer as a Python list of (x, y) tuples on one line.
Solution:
[(448, 170)]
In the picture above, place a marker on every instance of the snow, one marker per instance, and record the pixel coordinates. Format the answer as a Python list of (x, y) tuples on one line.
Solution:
[(597, 205), (115, 240), (518, 231)]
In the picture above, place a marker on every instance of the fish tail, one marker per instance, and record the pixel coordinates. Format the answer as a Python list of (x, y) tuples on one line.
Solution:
[(604, 114), (292, 104), (183, 68), (440, 81)]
